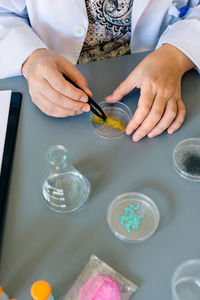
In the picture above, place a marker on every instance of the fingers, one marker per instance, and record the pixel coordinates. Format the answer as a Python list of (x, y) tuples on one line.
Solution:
[(57, 81), (156, 122), (159, 108), (123, 89), (144, 106), (44, 73), (75, 75), (168, 116), (59, 99), (51, 109), (152, 118), (178, 121)]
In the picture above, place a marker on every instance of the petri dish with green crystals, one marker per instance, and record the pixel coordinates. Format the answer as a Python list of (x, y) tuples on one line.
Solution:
[(133, 217), (118, 117)]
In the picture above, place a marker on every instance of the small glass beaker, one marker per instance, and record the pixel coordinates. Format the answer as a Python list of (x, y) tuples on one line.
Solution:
[(186, 281), (65, 189)]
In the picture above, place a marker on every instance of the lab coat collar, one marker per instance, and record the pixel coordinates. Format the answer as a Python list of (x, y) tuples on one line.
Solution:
[(82, 6), (139, 9)]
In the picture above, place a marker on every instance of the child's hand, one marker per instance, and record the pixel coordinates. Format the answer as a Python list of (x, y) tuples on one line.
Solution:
[(49, 90), (160, 106)]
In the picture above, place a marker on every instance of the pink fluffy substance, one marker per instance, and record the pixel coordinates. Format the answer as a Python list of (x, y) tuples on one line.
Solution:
[(99, 288)]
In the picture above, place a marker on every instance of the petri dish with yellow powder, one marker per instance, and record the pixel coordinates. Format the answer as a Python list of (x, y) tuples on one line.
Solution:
[(118, 116)]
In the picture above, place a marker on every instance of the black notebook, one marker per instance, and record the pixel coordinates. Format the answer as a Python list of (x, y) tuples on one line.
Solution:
[(10, 103)]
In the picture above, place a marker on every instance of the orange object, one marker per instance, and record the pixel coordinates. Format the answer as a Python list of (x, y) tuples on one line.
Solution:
[(1, 290), (40, 290)]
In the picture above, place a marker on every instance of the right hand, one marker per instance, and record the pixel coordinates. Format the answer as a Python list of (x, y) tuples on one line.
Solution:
[(54, 95)]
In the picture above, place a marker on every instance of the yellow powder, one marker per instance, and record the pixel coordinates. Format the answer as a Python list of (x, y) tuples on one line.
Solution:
[(110, 122)]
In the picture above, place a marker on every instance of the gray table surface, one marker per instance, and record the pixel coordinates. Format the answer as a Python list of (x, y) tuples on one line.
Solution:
[(41, 244)]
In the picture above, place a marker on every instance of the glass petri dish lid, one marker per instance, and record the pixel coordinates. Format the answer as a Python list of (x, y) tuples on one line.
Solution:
[(133, 217), (186, 159), (119, 116), (186, 280)]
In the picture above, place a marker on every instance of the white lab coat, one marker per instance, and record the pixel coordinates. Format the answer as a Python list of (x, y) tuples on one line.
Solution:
[(61, 26)]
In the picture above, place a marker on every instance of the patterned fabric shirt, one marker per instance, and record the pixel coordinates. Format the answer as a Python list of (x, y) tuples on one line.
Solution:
[(109, 29)]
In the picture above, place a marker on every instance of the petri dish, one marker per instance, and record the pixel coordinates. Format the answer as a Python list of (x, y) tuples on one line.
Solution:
[(147, 213), (186, 159), (186, 281), (119, 111)]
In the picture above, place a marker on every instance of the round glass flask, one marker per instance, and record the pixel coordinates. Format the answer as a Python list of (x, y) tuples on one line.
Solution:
[(65, 189)]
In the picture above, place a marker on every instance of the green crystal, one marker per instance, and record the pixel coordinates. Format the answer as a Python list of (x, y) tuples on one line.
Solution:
[(130, 219)]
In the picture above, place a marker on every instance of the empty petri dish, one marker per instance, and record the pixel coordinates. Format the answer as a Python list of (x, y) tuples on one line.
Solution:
[(133, 217), (186, 281), (119, 116), (186, 159)]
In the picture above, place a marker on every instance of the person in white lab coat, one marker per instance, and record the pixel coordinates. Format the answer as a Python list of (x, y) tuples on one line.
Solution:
[(45, 39)]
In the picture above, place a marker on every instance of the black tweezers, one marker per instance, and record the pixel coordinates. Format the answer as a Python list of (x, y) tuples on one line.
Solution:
[(95, 108)]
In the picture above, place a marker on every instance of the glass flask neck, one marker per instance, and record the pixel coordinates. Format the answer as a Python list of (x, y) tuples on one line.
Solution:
[(57, 157)]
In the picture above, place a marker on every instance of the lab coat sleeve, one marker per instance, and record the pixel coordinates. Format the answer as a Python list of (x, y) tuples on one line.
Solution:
[(185, 35), (17, 39)]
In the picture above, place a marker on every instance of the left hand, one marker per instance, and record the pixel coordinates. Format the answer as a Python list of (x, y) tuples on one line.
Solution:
[(160, 106)]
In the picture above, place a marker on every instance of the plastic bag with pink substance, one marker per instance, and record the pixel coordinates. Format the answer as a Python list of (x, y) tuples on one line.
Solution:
[(98, 281)]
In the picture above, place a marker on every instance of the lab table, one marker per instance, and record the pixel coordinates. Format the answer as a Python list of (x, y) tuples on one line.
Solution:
[(41, 244)]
